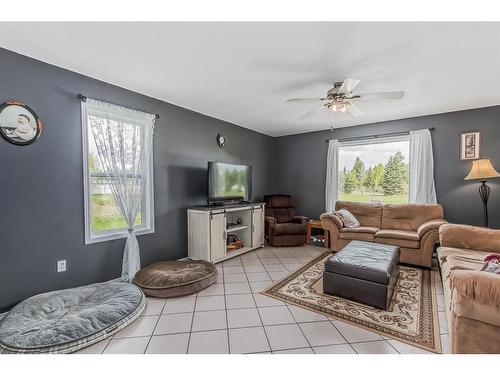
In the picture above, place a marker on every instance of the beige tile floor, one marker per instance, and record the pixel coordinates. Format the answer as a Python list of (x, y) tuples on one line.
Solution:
[(232, 317)]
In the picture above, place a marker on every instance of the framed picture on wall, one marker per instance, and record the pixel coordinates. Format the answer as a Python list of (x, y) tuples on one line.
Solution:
[(19, 124), (470, 145)]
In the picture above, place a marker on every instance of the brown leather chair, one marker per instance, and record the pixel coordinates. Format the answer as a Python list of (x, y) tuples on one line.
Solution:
[(283, 227)]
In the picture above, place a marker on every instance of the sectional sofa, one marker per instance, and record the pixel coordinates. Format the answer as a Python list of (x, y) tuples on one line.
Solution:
[(412, 227), (472, 297)]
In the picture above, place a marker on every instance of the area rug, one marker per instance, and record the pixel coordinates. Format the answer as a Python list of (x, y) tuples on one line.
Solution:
[(411, 318)]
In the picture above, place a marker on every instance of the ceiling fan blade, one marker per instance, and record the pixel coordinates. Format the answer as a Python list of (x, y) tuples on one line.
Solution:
[(312, 111), (354, 110), (379, 95), (348, 85), (305, 100)]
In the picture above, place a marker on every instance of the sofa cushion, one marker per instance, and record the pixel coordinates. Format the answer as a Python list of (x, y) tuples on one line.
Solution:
[(280, 207), (457, 262), (409, 216), (289, 228), (360, 229), (278, 201), (282, 215), (288, 240), (403, 238), (368, 237), (399, 234), (468, 256), (451, 259), (368, 214), (398, 242), (362, 233)]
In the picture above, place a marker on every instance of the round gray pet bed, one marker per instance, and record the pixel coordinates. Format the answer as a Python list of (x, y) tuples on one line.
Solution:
[(173, 278), (68, 320)]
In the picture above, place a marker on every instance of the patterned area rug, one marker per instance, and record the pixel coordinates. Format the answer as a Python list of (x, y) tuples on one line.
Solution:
[(412, 317)]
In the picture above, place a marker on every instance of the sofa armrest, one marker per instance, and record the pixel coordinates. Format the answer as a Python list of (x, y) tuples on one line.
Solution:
[(480, 286), (332, 223), (299, 220), (476, 295), (430, 225), (469, 237), (332, 218), (270, 223)]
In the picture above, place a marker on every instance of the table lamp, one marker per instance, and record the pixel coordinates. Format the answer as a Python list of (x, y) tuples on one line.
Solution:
[(483, 170)]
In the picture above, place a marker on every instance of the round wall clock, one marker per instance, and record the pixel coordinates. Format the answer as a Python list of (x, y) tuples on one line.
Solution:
[(19, 124), (221, 140)]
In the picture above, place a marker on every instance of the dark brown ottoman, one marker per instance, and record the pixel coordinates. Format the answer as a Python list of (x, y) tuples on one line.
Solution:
[(364, 272)]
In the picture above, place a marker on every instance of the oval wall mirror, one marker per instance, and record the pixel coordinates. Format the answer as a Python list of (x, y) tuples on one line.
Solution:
[(19, 124)]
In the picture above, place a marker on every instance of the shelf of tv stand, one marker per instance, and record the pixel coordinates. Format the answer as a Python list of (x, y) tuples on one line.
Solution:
[(235, 228), (234, 253), (208, 230)]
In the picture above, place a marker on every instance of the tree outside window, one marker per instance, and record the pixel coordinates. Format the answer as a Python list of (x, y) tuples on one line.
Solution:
[(374, 171)]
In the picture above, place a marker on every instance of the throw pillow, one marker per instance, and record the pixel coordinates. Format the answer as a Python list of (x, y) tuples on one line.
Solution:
[(492, 258), (347, 218), (491, 267), (492, 264)]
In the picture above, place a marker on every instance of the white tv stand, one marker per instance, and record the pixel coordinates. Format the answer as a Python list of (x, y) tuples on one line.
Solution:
[(208, 230)]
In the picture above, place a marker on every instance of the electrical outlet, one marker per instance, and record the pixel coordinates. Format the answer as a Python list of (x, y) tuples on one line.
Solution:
[(61, 265)]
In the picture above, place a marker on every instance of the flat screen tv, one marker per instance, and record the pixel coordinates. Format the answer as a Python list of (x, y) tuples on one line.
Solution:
[(229, 183)]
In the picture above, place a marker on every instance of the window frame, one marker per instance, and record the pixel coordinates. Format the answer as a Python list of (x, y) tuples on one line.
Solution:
[(370, 141), (147, 206)]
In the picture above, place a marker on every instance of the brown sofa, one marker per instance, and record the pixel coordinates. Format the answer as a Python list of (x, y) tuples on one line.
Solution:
[(412, 227), (472, 297), (283, 227)]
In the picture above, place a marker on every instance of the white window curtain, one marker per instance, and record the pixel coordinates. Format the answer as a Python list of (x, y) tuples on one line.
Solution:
[(123, 138), (332, 183), (421, 166)]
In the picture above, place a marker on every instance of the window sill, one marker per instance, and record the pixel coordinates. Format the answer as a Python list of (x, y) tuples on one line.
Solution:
[(90, 239)]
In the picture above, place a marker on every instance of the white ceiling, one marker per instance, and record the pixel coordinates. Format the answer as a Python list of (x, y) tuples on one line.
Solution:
[(244, 72)]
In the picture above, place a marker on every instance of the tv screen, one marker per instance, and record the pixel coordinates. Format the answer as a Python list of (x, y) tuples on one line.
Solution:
[(229, 182)]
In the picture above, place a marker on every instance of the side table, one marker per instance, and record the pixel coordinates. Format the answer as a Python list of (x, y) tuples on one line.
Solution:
[(317, 225)]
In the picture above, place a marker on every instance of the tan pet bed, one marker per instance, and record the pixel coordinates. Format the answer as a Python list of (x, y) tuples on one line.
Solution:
[(176, 278)]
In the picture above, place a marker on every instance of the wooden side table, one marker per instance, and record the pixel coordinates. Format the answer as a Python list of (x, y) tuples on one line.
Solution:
[(317, 225)]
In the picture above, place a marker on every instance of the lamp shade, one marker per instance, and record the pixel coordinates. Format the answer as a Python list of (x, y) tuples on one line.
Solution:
[(482, 170)]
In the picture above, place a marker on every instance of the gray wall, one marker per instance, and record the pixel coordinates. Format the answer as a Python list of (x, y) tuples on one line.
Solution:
[(300, 162), (41, 186)]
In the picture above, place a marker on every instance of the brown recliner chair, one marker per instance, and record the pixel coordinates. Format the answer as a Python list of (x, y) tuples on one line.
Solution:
[(283, 227)]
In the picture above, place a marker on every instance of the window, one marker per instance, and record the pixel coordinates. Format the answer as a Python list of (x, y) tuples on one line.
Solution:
[(374, 170), (103, 220)]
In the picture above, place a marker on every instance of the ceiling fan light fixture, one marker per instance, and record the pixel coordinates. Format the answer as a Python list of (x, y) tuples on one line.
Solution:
[(341, 98), (339, 107)]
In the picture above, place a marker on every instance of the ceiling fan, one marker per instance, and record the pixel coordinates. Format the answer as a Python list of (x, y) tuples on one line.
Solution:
[(341, 98)]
